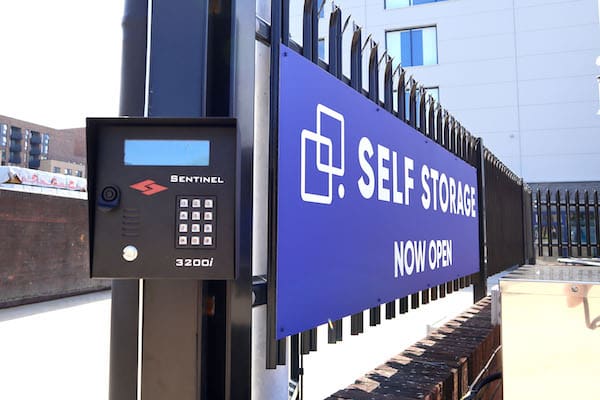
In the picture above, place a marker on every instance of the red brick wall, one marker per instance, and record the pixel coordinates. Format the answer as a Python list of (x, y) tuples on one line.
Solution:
[(441, 366), (43, 248)]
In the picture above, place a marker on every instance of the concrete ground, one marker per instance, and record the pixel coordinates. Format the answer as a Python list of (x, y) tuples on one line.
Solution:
[(60, 349), (56, 349)]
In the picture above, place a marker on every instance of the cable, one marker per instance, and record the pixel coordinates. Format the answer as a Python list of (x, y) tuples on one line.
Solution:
[(467, 395)]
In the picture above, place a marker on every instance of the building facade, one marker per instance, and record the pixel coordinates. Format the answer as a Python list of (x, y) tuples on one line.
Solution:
[(63, 167), (29, 145), (520, 74)]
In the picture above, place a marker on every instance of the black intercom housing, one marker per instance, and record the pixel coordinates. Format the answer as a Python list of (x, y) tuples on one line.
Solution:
[(162, 197)]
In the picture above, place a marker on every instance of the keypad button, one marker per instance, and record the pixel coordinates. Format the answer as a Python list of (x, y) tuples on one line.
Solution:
[(195, 240), (196, 216), (208, 216), (183, 228), (208, 228), (183, 240), (207, 241), (183, 215), (208, 203), (183, 203), (196, 203), (195, 227)]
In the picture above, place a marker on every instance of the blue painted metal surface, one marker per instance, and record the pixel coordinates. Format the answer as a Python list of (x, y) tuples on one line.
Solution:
[(358, 221)]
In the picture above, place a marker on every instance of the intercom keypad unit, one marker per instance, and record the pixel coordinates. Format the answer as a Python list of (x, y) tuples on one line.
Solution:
[(162, 197)]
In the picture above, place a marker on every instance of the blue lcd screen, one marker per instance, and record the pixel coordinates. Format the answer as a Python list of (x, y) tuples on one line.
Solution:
[(167, 152)]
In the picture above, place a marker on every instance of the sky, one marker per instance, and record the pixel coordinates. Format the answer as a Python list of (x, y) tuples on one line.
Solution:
[(60, 60)]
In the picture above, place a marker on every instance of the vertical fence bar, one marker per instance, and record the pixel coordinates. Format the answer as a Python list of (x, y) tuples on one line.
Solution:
[(331, 333), (538, 203), (588, 244), (439, 120), (422, 113), (449, 287), (442, 290), (462, 282), (310, 31), (356, 61), (403, 305), (569, 238), (597, 223), (374, 74), (439, 138), (559, 223), (423, 129), (412, 103), (357, 325), (375, 312), (335, 43), (402, 95), (388, 86), (431, 119), (480, 284), (313, 339), (305, 342), (356, 320), (425, 296), (549, 222), (434, 293), (335, 68), (374, 316), (414, 301), (390, 310), (281, 351), (578, 223), (452, 137), (446, 129)]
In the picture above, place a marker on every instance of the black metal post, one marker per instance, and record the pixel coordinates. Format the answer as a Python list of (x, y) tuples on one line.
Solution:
[(480, 282), (277, 12), (124, 332)]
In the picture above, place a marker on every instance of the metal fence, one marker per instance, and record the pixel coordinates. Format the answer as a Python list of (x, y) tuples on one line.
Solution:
[(504, 200), (508, 216), (566, 223)]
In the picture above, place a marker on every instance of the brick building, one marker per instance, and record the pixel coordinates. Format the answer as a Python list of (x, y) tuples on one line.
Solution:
[(29, 145)]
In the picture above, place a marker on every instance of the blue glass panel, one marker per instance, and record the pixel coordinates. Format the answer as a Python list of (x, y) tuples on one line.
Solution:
[(415, 2), (167, 152), (405, 49), (322, 49), (417, 46), (397, 3), (429, 46)]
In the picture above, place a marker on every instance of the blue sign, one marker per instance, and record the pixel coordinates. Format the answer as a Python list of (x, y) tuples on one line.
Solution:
[(369, 209)]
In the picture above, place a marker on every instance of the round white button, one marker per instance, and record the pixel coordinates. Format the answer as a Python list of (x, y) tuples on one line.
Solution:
[(130, 253)]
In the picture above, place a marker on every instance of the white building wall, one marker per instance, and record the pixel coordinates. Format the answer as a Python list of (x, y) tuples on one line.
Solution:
[(519, 73)]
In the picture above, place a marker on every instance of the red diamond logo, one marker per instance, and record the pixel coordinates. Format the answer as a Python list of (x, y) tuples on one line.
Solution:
[(148, 187)]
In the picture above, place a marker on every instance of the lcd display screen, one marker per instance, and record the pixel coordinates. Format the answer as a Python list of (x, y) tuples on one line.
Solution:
[(167, 152)]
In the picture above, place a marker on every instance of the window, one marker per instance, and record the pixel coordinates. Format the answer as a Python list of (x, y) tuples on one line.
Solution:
[(405, 3), (321, 9), (3, 135), (433, 92), (322, 49), (56, 170), (79, 173), (413, 47), (68, 171)]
